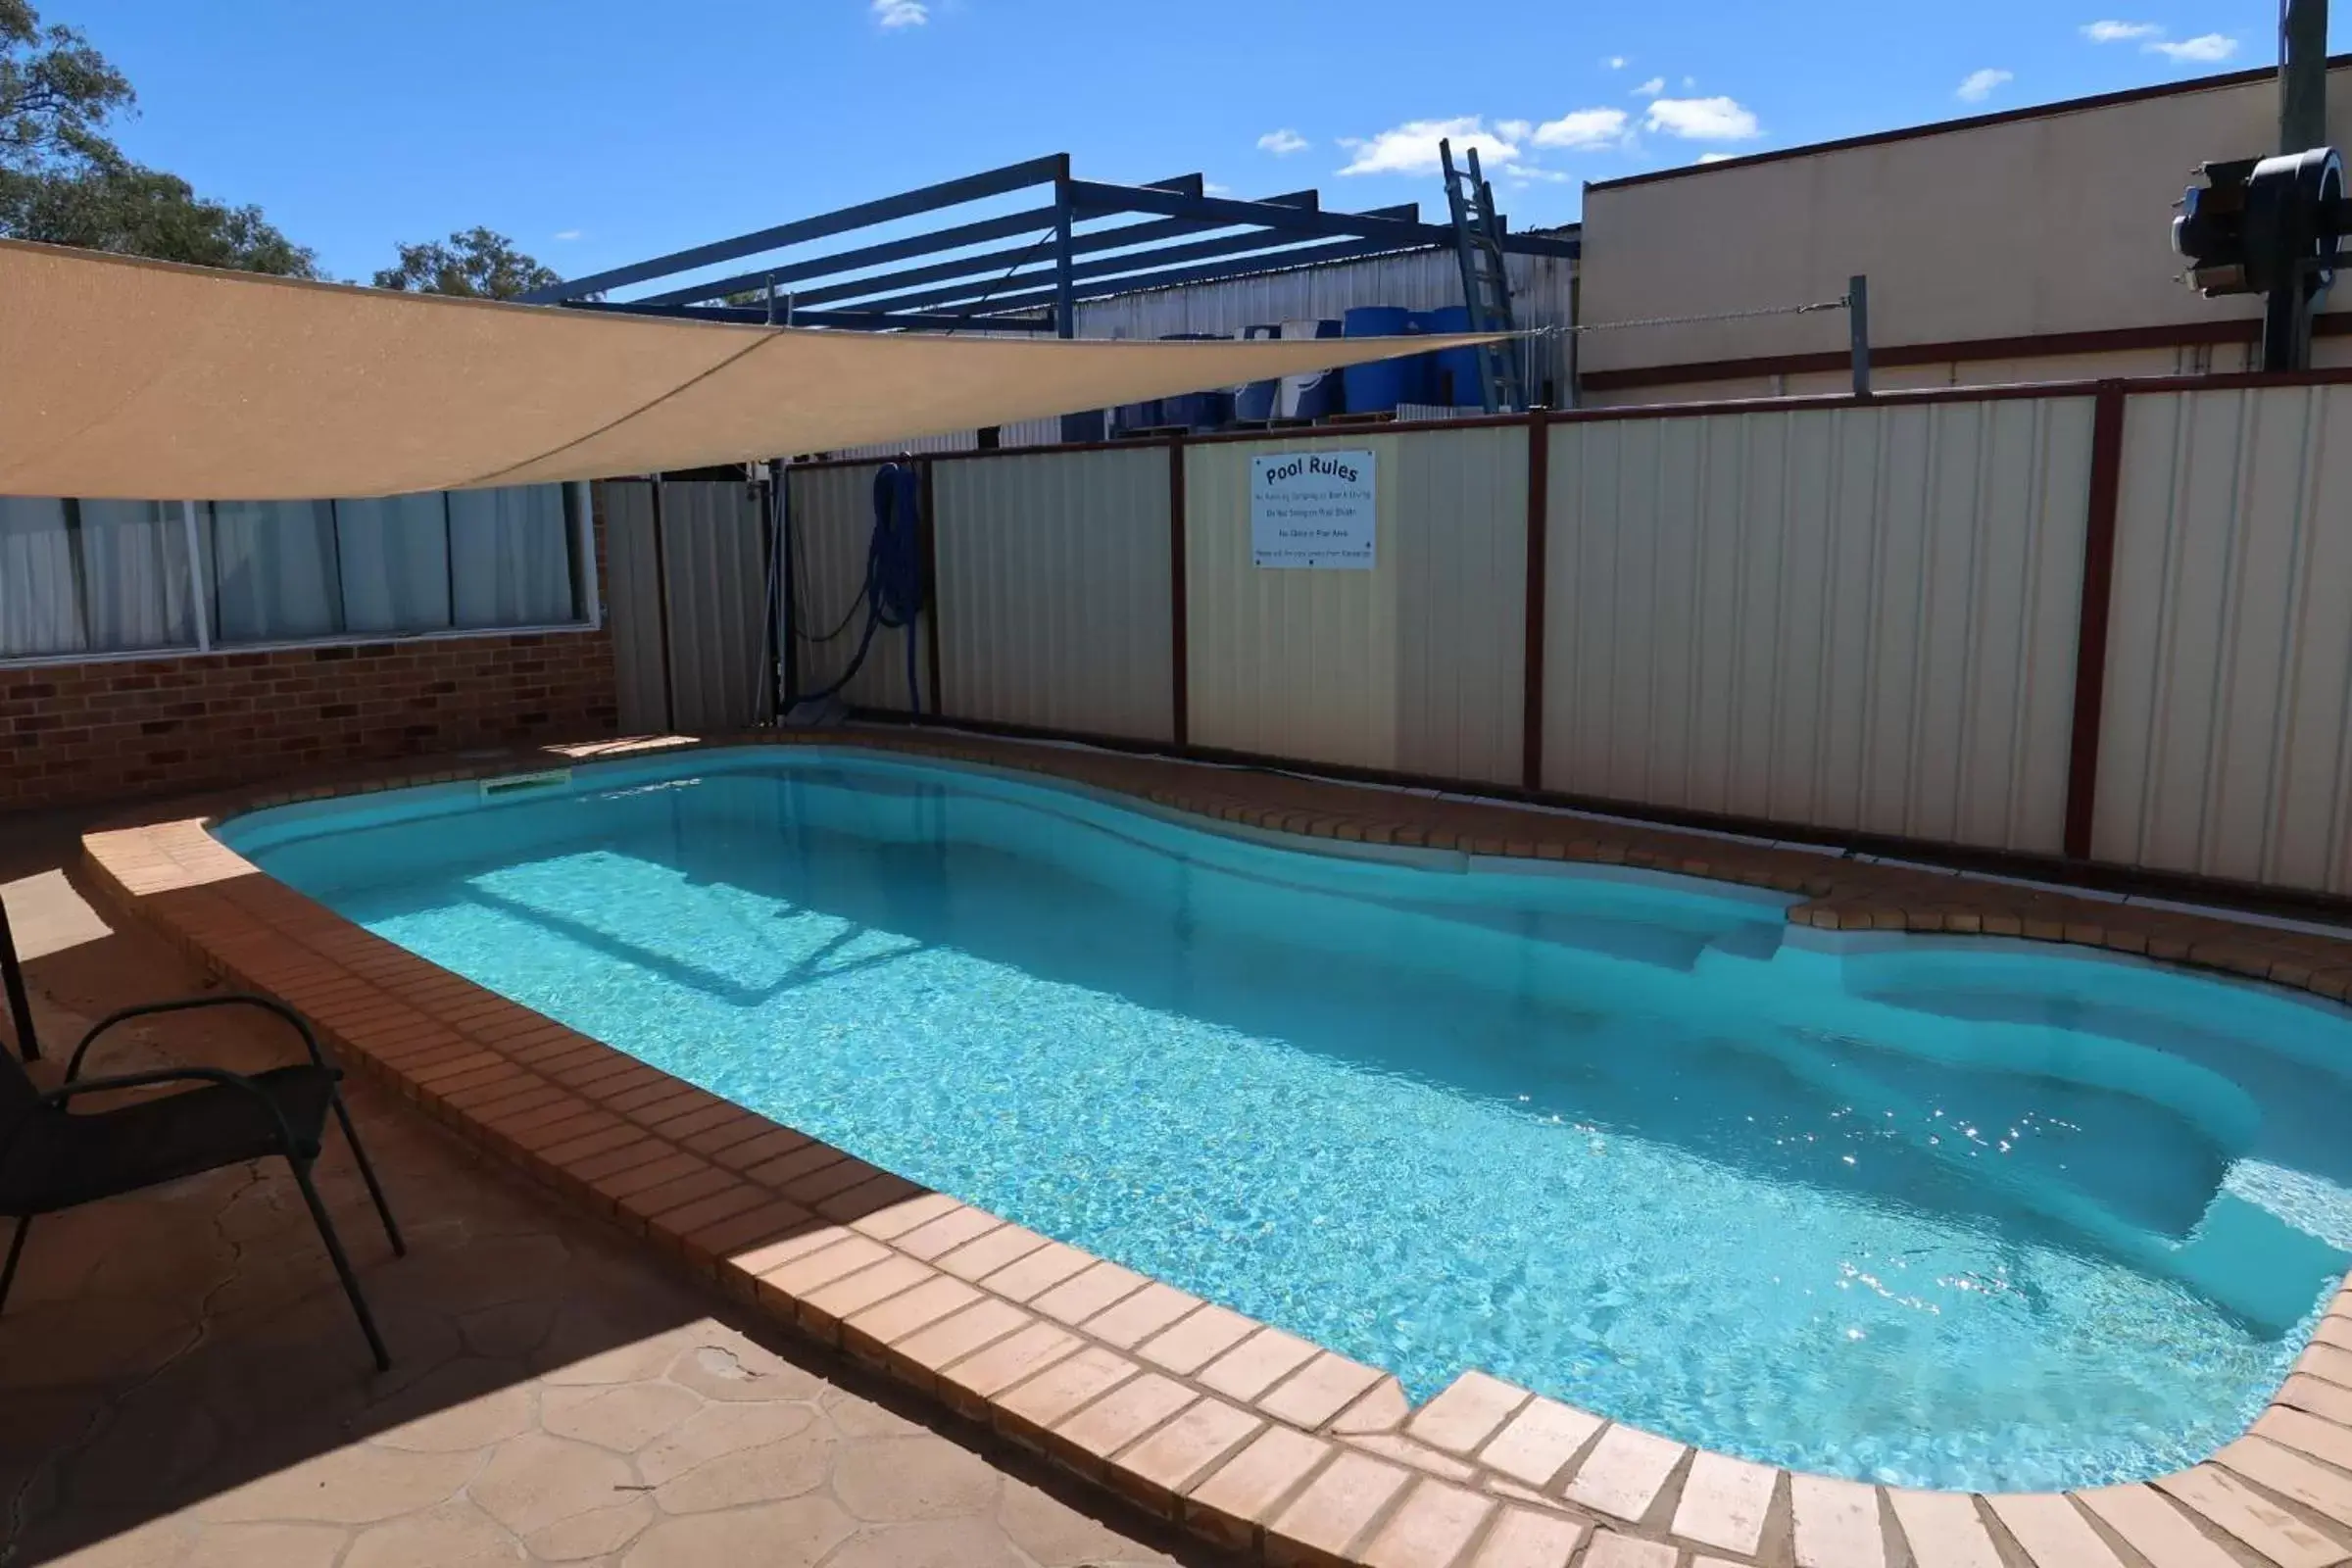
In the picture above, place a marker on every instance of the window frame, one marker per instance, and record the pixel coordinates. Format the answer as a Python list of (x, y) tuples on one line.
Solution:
[(579, 506)]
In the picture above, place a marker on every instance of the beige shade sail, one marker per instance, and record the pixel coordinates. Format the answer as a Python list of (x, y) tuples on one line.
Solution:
[(146, 380)]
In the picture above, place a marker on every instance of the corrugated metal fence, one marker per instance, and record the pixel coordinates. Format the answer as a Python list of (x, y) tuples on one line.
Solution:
[(1856, 618), (2226, 748), (1864, 619), (1059, 569), (688, 603), (1413, 666)]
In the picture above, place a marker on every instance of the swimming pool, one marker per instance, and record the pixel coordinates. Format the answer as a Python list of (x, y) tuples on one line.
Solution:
[(1937, 1212)]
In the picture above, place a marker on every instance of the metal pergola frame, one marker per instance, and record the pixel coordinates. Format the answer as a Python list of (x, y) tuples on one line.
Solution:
[(1185, 236)]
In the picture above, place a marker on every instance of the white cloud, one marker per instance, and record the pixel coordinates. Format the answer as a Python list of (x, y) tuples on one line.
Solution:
[(568, 234), (2203, 50), (2208, 48), (894, 14), (1282, 143), (1514, 129), (1716, 158), (1522, 172), (1978, 85), (1654, 88), (1412, 147), (1702, 119), (1615, 62), (1209, 187), (1583, 128)]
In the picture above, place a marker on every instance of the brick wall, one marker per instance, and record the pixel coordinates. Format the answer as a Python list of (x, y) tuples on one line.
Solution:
[(71, 734)]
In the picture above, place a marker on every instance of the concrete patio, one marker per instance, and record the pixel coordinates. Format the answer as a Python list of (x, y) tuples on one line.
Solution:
[(184, 1387)]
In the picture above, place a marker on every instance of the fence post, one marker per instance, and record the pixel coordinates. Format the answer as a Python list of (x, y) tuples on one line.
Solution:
[(2091, 636), (1857, 324), (786, 632), (1538, 523), (927, 533), (670, 680), (1180, 696)]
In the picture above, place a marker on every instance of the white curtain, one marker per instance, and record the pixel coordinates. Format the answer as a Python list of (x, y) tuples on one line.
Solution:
[(393, 557), (114, 577), (510, 557), (41, 599), (136, 581), (274, 571)]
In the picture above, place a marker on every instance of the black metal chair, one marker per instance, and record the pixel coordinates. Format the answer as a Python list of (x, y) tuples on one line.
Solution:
[(53, 1158)]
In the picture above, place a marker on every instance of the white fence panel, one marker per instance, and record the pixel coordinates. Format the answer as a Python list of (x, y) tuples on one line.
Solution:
[(1859, 619), (2225, 734)]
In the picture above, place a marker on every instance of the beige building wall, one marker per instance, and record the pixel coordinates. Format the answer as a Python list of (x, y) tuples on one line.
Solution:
[(2006, 228)]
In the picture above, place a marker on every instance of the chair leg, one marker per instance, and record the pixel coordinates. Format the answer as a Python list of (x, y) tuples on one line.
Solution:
[(15, 1250), (376, 1190), (334, 1252)]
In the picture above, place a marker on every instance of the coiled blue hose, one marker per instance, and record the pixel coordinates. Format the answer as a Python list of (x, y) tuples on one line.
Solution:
[(893, 573)]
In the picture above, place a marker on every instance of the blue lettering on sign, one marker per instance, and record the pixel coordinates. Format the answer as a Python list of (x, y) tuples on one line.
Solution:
[(1327, 468)]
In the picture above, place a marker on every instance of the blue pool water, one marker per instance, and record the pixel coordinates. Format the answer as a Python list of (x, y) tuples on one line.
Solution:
[(1943, 1213)]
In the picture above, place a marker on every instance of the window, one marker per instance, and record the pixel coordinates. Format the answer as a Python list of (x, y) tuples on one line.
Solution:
[(509, 557), (392, 562), (92, 577), (98, 577), (274, 577)]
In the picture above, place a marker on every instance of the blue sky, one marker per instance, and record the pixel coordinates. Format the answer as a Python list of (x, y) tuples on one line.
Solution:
[(596, 132)]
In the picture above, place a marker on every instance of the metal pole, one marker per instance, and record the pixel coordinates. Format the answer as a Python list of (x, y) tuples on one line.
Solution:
[(1857, 320), (784, 629), (12, 975), (2302, 75), (1065, 304), (2302, 126), (772, 299), (1089, 425)]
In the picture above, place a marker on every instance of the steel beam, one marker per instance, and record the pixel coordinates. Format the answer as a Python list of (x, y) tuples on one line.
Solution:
[(1065, 319), (1263, 247), (949, 193), (896, 250), (1339, 251), (1035, 219), (1133, 256), (851, 320), (987, 269), (985, 263), (1093, 197)]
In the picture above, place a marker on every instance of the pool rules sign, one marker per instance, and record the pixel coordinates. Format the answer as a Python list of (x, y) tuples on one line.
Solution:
[(1312, 509)]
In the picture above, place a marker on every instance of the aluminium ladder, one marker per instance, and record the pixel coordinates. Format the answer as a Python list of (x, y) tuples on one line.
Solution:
[(1485, 286)]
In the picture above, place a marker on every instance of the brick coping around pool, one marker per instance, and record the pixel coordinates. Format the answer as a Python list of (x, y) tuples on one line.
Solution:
[(1255, 1439)]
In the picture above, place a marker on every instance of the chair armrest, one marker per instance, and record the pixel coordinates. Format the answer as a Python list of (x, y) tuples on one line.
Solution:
[(221, 1076), (234, 999)]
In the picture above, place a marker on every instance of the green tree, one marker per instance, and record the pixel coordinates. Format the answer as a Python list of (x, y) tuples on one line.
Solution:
[(476, 262), (119, 206), (64, 182), (56, 92)]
